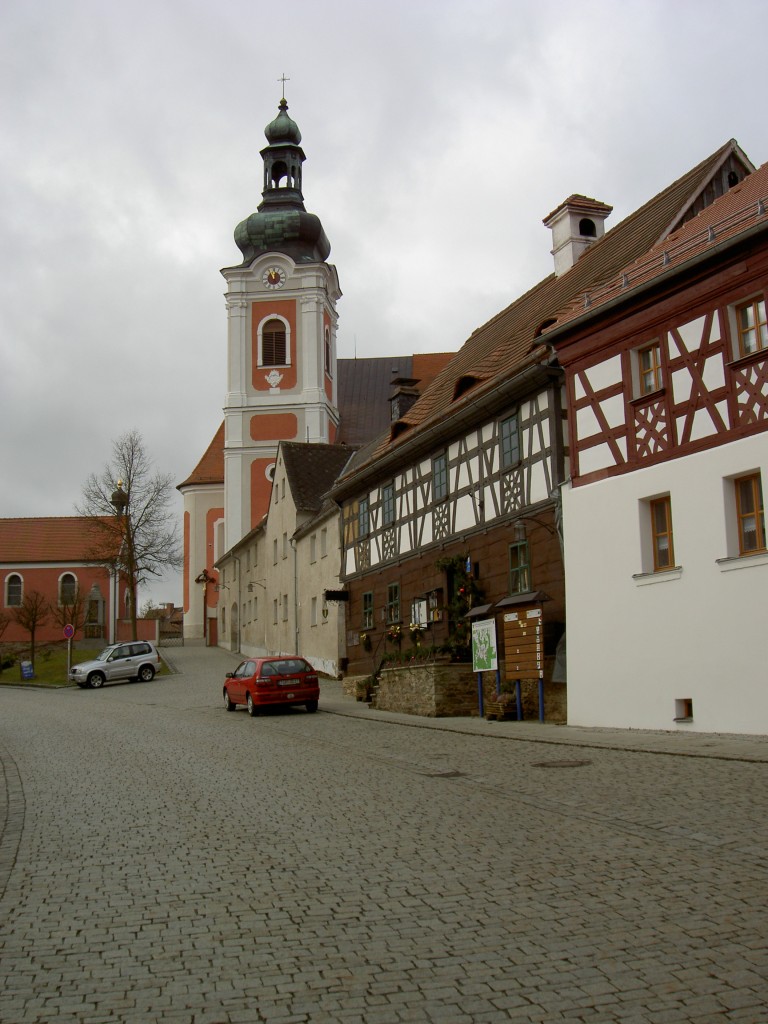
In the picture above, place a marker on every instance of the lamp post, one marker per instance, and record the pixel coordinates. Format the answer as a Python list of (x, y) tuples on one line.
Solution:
[(120, 500)]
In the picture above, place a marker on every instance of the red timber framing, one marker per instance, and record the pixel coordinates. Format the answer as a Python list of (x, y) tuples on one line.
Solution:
[(708, 393)]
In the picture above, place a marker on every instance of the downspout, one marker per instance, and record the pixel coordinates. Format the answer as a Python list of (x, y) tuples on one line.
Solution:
[(239, 603), (295, 596)]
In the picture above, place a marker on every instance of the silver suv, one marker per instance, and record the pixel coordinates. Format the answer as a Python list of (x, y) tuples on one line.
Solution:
[(138, 660)]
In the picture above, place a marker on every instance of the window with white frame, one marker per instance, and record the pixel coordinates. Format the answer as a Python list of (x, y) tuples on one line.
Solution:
[(419, 612), (285, 607), (273, 343), (14, 590), (313, 612), (323, 542), (327, 351), (67, 588), (313, 548)]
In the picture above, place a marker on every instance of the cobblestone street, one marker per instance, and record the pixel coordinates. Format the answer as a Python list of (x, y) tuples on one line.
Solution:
[(163, 860)]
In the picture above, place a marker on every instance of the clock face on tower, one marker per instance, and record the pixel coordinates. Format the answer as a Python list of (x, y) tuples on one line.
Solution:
[(273, 277)]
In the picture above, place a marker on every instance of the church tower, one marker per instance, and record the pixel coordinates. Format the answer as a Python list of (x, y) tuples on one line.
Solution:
[(281, 305)]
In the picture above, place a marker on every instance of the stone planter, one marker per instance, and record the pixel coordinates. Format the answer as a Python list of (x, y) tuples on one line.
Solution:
[(430, 689)]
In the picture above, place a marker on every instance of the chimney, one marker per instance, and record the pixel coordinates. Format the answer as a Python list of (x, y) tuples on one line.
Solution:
[(403, 396), (575, 224)]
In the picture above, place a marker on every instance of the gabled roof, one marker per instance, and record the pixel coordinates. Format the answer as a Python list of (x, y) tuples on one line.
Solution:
[(59, 539), (511, 342), (365, 387), (210, 469), (311, 470), (741, 211)]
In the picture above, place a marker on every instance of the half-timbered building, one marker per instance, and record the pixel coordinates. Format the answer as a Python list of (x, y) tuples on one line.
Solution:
[(458, 503), (666, 559)]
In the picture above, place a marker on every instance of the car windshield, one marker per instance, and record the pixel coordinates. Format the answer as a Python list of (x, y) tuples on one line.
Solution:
[(105, 654)]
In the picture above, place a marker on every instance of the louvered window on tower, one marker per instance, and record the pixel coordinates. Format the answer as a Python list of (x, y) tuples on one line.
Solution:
[(273, 344)]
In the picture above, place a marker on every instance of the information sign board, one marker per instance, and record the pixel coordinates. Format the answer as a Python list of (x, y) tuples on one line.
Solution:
[(524, 643), (484, 646)]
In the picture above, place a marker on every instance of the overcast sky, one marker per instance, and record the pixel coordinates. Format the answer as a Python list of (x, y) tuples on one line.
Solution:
[(437, 134)]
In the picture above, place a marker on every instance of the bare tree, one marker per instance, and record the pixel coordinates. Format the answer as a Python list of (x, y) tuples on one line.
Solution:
[(129, 506), (5, 622), (70, 610), (32, 613)]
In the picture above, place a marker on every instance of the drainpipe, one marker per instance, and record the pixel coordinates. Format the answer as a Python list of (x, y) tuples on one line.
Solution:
[(239, 604), (295, 596)]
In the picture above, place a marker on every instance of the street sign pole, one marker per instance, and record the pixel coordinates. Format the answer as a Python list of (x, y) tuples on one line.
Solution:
[(69, 632)]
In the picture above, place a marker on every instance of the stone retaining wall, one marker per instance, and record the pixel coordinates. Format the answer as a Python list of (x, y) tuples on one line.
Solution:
[(449, 690)]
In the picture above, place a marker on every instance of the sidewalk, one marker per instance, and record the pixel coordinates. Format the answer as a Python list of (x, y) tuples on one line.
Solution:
[(727, 747)]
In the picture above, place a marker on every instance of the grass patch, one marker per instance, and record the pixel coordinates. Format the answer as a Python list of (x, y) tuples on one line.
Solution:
[(51, 665)]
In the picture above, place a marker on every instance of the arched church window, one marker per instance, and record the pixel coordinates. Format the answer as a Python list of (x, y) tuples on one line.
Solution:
[(67, 588), (587, 227), (328, 351), (14, 587), (273, 344)]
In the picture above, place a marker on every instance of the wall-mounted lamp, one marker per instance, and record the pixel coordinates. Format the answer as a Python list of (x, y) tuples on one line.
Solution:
[(521, 531)]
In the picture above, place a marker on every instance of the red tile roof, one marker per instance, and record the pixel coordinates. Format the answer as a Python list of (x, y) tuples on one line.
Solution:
[(70, 539), (741, 209), (210, 469), (511, 341)]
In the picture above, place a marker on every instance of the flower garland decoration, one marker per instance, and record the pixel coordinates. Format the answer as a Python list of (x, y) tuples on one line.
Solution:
[(417, 631)]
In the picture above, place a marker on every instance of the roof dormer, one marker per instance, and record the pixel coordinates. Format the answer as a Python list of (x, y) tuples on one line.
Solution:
[(575, 225)]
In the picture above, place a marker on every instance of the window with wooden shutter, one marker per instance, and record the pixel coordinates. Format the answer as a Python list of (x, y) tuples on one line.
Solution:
[(273, 350)]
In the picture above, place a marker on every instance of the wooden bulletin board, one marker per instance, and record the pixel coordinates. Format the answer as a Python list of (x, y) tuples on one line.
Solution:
[(524, 642)]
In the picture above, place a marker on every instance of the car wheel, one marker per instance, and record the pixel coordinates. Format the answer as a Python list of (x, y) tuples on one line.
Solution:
[(311, 705), (252, 709), (228, 703), (146, 673), (96, 679)]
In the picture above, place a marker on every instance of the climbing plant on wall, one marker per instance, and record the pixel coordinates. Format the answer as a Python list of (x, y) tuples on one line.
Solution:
[(464, 593)]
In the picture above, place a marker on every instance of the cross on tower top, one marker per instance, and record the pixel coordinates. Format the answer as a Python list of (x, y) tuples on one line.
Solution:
[(283, 79)]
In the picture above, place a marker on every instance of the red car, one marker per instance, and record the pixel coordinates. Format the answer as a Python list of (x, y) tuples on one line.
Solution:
[(263, 682)]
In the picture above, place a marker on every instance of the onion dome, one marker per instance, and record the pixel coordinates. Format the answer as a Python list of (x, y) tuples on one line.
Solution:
[(281, 223), (283, 129)]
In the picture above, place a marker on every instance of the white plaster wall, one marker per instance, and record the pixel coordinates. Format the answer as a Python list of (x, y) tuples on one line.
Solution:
[(323, 644), (634, 646), (198, 501)]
